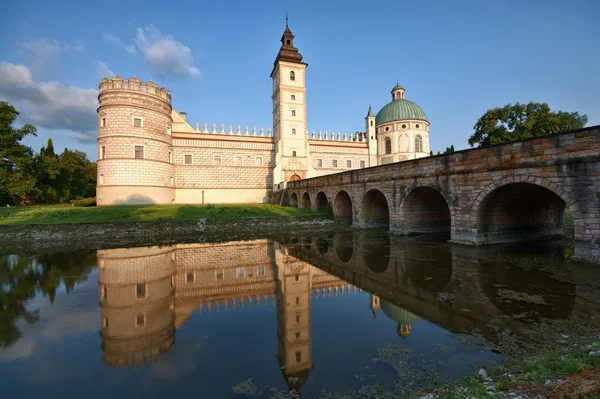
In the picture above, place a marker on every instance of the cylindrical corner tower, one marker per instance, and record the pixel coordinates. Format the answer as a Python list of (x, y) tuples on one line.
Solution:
[(134, 143)]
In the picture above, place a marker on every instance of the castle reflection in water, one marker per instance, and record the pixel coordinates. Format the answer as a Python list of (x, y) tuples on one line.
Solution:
[(146, 294)]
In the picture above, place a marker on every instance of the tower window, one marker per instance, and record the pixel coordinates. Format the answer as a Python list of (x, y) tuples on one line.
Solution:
[(403, 126), (293, 153), (139, 152), (170, 157), (292, 73), (101, 181), (293, 131), (293, 112), (297, 334), (140, 320), (288, 42), (297, 300), (217, 160), (417, 126), (220, 275), (298, 357), (140, 290), (259, 161), (237, 161), (189, 277), (171, 181), (418, 144), (261, 271), (296, 278), (334, 163), (349, 163), (103, 123), (387, 128), (188, 159), (293, 97), (105, 322), (371, 123), (241, 272), (319, 163), (362, 164), (297, 318), (103, 153), (137, 122), (388, 146)]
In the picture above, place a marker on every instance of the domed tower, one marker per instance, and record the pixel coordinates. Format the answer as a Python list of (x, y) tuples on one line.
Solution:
[(402, 130), (134, 143), (136, 304)]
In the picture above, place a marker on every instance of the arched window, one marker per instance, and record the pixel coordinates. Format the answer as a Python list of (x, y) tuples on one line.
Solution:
[(388, 146), (371, 123), (292, 75), (418, 144)]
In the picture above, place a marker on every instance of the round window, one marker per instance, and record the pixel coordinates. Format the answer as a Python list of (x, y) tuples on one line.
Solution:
[(387, 128), (403, 126), (417, 125)]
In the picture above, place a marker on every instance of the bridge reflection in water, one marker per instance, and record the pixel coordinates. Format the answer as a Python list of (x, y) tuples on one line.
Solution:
[(147, 294)]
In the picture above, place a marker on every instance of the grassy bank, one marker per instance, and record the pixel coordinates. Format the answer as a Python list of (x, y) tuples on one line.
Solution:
[(50, 214)]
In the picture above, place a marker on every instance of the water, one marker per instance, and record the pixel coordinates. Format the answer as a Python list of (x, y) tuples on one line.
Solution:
[(339, 311)]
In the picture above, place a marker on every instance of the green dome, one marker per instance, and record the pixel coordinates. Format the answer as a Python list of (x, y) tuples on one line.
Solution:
[(396, 313), (400, 110)]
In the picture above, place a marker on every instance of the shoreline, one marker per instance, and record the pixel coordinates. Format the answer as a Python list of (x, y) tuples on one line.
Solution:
[(95, 235)]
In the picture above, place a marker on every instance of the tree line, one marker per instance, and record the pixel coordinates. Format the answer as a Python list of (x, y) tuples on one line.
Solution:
[(515, 122), (44, 177)]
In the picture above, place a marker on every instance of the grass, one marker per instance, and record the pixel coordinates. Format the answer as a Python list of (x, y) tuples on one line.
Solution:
[(49, 214)]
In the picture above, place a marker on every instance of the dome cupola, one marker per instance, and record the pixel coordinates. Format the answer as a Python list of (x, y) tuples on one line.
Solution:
[(399, 109)]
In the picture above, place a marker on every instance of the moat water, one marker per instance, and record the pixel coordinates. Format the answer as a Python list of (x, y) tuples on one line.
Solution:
[(338, 312)]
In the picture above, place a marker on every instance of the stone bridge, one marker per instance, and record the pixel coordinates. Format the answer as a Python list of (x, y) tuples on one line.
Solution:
[(503, 193)]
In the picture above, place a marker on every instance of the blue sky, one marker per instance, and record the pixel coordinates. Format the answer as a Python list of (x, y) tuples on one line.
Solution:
[(455, 59)]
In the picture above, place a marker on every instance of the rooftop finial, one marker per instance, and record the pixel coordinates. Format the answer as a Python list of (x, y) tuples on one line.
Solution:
[(286, 19)]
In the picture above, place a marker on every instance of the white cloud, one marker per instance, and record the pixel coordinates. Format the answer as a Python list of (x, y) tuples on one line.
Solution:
[(50, 105), (130, 48), (166, 56), (104, 70), (45, 50)]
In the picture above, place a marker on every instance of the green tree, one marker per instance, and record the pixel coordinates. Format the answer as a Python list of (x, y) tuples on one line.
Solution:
[(17, 177), (449, 150), (48, 170), (522, 121), (77, 176)]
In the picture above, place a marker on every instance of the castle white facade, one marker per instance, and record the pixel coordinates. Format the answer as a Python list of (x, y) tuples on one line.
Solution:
[(148, 153)]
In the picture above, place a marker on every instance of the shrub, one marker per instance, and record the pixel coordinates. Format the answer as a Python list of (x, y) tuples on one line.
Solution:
[(84, 202)]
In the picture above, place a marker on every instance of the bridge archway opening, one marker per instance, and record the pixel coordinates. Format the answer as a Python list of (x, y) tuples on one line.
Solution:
[(293, 200), (342, 207), (425, 210), (343, 243), (520, 212), (321, 202), (375, 209), (322, 245), (306, 201)]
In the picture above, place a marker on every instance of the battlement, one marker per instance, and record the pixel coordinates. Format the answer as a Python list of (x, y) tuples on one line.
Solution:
[(236, 132), (332, 136), (134, 84)]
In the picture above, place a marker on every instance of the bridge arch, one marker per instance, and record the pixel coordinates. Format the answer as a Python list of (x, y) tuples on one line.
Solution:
[(522, 208), (375, 211), (342, 206), (293, 200), (321, 201), (306, 201), (425, 209)]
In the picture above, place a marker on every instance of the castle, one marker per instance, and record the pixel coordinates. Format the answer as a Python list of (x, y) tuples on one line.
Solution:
[(148, 153)]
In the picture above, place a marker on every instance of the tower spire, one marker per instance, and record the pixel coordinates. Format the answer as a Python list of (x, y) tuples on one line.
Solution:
[(286, 19)]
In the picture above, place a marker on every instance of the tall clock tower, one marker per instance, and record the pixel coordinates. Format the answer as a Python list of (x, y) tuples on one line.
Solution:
[(289, 112)]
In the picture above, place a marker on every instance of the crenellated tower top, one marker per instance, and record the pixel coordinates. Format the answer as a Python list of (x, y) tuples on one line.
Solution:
[(134, 84)]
